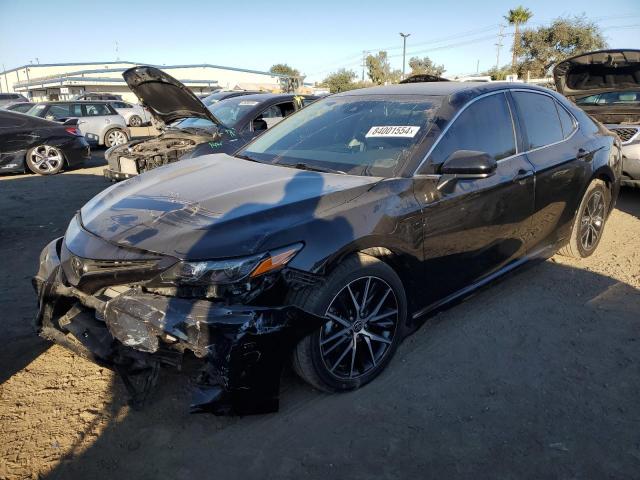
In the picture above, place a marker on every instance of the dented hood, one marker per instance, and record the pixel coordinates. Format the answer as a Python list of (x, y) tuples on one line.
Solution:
[(215, 206), (165, 97), (597, 72)]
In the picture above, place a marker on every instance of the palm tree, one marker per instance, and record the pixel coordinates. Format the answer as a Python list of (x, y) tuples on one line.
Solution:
[(516, 17)]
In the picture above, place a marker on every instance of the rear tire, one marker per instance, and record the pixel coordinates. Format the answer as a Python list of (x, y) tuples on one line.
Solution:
[(360, 337), (115, 136), (588, 226), (45, 160), (135, 121)]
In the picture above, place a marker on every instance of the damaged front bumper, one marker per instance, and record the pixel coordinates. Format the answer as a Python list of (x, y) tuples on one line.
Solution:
[(242, 348)]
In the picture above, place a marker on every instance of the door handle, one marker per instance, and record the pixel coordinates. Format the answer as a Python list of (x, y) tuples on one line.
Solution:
[(522, 175), (582, 154)]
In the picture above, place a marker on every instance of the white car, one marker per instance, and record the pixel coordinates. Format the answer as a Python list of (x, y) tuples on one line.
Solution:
[(134, 114)]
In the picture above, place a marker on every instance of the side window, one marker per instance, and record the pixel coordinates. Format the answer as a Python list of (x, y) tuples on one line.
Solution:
[(57, 112), (120, 105), (540, 118), (97, 109), (275, 113), (566, 120), (485, 126)]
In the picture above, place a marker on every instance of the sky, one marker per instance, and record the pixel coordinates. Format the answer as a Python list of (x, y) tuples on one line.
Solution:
[(316, 37)]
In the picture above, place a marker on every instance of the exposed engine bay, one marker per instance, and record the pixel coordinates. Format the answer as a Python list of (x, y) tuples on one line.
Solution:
[(152, 153)]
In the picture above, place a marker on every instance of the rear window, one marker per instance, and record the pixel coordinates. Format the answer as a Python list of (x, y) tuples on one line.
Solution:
[(539, 115)]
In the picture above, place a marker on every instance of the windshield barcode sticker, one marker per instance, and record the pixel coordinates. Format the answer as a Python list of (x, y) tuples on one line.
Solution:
[(392, 131)]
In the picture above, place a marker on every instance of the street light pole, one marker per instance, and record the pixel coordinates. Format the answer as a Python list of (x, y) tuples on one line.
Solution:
[(404, 50)]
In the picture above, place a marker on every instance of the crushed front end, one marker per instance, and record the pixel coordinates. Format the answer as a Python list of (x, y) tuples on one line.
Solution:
[(111, 305)]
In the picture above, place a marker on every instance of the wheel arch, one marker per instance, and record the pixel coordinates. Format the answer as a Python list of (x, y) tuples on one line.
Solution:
[(401, 263)]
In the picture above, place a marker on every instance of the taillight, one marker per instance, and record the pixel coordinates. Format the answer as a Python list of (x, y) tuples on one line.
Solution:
[(73, 131)]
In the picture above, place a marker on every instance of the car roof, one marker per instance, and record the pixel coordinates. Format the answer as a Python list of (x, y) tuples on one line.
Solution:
[(62, 102), (440, 88), (263, 97)]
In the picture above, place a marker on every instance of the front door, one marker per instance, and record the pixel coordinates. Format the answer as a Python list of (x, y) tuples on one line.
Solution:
[(474, 227)]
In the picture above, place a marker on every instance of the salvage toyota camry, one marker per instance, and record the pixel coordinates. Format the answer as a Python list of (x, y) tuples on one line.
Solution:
[(328, 239)]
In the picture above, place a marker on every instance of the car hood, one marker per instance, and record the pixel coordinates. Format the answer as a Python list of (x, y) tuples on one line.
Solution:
[(597, 72), (215, 206), (165, 97)]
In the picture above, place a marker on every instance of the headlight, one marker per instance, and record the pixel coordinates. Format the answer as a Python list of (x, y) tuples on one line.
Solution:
[(220, 272)]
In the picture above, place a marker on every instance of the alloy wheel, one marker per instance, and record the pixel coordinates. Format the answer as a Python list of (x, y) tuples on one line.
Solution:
[(363, 319), (46, 158), (116, 137), (592, 220)]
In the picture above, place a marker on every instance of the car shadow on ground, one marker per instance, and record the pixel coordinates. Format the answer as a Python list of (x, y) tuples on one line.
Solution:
[(36, 209), (535, 377)]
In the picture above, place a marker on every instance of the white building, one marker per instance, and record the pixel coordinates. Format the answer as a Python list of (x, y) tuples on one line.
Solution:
[(62, 81)]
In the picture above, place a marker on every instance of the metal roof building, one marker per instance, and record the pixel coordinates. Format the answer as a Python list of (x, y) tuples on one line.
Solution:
[(62, 81)]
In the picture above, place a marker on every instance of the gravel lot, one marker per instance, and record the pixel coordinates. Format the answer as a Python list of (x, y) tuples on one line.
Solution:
[(537, 376)]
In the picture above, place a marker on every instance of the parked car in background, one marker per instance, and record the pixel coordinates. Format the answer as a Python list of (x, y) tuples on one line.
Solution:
[(98, 121), (190, 128), (6, 98), (41, 146), (606, 85), (20, 107), (135, 115), (98, 96), (327, 239), (224, 94)]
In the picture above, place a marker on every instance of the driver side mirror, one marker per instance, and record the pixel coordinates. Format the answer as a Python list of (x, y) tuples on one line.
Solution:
[(469, 164)]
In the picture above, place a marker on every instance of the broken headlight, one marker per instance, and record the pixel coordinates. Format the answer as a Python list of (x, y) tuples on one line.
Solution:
[(222, 272)]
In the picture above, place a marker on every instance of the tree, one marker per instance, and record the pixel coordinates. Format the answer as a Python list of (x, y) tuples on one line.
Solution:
[(425, 66), (340, 81), (378, 68), (545, 46), (516, 17), (499, 73), (284, 69)]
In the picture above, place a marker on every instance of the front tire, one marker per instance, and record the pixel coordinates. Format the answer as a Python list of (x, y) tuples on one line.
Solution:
[(115, 136), (588, 225), (366, 307), (45, 160)]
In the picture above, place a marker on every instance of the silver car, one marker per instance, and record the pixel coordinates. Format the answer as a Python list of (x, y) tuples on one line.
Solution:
[(98, 121), (134, 114)]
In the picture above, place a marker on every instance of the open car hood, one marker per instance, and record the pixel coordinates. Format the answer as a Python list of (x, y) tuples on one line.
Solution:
[(165, 97), (597, 72)]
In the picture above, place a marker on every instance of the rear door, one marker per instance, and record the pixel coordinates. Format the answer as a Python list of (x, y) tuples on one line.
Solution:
[(96, 118), (474, 227), (560, 166)]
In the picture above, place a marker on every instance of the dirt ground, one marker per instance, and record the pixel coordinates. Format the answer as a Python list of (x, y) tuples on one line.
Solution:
[(537, 376)]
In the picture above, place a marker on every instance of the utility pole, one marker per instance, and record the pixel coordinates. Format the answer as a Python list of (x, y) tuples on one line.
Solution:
[(477, 66), (364, 62), (499, 46), (4, 70), (404, 50)]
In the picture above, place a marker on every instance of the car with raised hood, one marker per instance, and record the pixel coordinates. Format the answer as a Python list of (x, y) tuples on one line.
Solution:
[(40, 146), (189, 128), (606, 85), (326, 240)]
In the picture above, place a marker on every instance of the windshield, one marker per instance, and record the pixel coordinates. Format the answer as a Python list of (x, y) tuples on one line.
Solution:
[(611, 98), (361, 135), (231, 110)]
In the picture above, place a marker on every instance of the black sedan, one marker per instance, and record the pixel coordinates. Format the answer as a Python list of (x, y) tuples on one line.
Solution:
[(189, 127), (41, 146), (327, 239)]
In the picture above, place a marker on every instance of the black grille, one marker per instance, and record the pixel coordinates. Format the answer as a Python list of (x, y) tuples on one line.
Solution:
[(625, 134)]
